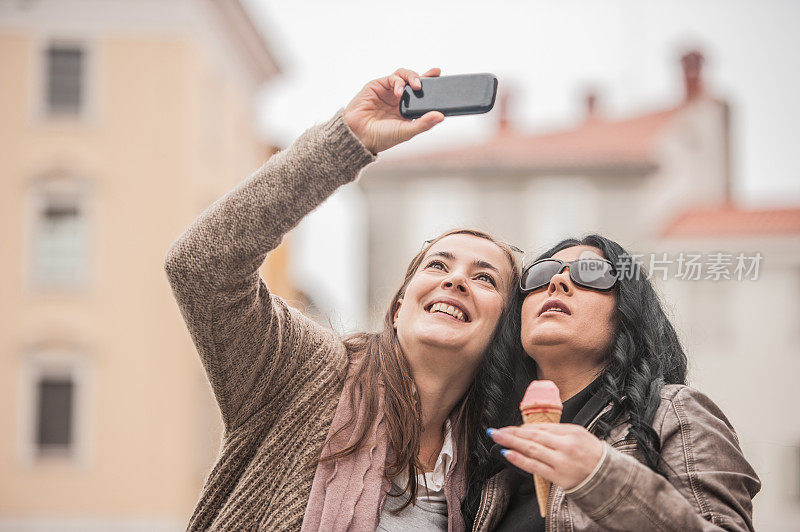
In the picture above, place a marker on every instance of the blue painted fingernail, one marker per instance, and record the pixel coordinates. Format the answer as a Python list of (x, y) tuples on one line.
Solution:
[(490, 432), (504, 452)]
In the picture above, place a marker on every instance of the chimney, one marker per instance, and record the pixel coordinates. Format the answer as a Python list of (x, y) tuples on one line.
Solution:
[(503, 126), (692, 63), (591, 104)]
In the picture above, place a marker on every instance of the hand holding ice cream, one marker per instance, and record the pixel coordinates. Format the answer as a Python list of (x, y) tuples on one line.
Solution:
[(561, 453)]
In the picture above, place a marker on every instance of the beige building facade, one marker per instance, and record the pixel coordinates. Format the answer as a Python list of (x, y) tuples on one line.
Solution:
[(120, 121)]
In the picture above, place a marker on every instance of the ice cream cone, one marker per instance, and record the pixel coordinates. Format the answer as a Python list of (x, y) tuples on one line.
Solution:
[(538, 415), (541, 415), (541, 405)]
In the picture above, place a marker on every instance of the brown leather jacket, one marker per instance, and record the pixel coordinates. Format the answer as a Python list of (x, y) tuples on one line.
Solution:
[(710, 485)]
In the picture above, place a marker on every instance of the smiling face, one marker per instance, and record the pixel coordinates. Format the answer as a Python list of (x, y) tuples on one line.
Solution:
[(452, 304), (566, 323)]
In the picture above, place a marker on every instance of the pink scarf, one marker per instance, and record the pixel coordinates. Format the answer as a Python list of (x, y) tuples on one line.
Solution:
[(348, 494)]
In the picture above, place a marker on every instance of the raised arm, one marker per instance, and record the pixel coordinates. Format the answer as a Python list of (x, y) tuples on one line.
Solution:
[(255, 348), (250, 341)]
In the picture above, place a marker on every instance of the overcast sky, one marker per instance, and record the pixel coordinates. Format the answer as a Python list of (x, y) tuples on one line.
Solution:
[(549, 53)]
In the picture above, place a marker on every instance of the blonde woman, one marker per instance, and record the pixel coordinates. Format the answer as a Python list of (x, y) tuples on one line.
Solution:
[(320, 429)]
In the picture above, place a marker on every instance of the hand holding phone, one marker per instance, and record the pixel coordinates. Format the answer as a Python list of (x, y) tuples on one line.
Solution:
[(373, 115)]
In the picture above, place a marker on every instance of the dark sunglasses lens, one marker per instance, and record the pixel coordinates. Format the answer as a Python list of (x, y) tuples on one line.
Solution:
[(540, 273), (593, 274)]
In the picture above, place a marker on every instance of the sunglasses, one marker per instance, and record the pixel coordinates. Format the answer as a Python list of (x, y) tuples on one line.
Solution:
[(597, 274)]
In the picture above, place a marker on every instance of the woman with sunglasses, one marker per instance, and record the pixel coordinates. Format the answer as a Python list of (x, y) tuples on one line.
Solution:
[(636, 448), (318, 429)]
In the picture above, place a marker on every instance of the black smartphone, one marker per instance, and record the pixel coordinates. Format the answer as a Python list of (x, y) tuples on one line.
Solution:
[(464, 94)]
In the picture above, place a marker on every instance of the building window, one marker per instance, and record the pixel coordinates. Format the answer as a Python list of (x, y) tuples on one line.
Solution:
[(54, 405), (54, 413), (60, 234), (65, 79)]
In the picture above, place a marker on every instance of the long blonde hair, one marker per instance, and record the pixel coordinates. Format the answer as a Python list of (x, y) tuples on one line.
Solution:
[(381, 361)]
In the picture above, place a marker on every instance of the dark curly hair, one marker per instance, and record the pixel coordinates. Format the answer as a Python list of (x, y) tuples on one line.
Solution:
[(504, 372), (502, 365), (644, 356)]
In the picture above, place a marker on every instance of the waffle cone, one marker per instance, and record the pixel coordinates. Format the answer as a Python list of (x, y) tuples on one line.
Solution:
[(542, 493), (541, 415)]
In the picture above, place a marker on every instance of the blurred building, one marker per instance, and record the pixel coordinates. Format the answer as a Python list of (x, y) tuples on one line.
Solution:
[(622, 177), (657, 182), (742, 335), (120, 121)]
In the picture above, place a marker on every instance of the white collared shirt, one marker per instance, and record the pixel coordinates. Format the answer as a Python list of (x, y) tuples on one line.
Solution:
[(431, 484), (429, 511)]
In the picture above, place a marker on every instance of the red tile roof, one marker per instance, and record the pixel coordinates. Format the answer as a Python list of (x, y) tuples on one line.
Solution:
[(596, 142), (732, 220)]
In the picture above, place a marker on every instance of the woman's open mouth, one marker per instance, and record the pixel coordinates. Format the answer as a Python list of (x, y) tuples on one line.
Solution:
[(554, 306), (452, 310)]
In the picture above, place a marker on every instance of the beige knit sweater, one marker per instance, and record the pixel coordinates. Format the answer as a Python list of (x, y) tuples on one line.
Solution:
[(277, 375)]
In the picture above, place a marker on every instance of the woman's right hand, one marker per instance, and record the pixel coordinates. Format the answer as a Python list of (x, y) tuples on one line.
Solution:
[(374, 114)]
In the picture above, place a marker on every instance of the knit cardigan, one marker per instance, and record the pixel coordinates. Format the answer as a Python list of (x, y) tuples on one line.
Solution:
[(277, 376)]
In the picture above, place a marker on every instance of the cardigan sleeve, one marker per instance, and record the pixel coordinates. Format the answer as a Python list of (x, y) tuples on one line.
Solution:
[(709, 484), (256, 350)]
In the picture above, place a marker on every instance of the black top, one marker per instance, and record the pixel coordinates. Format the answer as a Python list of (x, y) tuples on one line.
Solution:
[(523, 508)]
